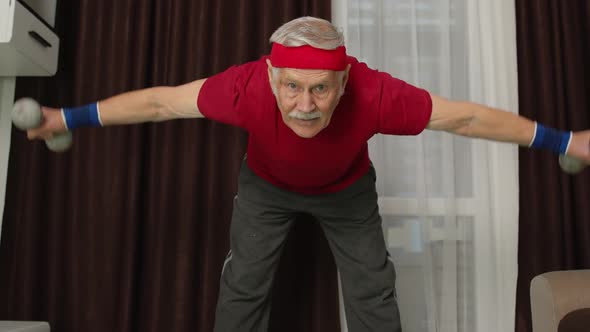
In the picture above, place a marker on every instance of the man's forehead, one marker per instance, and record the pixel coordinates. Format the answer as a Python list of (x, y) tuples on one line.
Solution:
[(307, 74)]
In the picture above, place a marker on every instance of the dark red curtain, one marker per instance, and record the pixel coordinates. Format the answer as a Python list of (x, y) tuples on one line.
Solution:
[(554, 88), (128, 230)]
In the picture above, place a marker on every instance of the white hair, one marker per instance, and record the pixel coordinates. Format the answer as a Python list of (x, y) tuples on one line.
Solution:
[(308, 30)]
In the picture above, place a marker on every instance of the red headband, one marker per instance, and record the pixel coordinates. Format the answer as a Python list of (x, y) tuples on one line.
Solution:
[(308, 57)]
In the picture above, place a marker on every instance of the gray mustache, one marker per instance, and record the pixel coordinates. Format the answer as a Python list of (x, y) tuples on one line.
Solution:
[(305, 116)]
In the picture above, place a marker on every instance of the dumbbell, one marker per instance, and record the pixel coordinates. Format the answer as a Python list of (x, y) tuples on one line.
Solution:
[(571, 165), (26, 114)]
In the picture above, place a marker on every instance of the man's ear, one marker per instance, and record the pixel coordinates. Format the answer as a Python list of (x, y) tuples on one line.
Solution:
[(269, 69), (345, 76)]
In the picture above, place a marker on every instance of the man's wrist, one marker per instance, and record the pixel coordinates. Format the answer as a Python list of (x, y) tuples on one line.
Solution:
[(556, 141), (83, 116)]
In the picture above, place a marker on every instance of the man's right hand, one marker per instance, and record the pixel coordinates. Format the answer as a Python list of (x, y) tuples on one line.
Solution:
[(51, 124), (580, 146)]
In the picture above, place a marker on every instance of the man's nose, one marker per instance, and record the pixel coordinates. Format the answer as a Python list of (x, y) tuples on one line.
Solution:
[(306, 103)]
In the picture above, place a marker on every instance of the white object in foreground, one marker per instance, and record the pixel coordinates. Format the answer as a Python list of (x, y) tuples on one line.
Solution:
[(9, 326)]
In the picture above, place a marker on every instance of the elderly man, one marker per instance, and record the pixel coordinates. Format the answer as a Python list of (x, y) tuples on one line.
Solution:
[(309, 110)]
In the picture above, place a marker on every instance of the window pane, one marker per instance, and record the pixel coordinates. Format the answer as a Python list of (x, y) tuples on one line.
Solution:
[(420, 249)]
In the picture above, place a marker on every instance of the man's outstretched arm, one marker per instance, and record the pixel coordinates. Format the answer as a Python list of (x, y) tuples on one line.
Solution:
[(146, 105), (479, 121)]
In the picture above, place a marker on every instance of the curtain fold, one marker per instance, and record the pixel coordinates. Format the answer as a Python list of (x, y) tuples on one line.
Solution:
[(554, 80), (128, 230)]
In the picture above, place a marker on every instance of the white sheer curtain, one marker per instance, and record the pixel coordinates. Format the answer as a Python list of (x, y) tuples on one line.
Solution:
[(449, 204)]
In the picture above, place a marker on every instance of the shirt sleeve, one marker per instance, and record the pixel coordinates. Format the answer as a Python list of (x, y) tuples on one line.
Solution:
[(223, 94), (403, 109)]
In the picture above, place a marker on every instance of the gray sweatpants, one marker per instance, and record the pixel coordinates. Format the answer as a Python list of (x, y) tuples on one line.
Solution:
[(262, 217)]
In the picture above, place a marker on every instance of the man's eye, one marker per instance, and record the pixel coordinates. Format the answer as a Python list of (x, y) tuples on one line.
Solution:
[(292, 86), (320, 88)]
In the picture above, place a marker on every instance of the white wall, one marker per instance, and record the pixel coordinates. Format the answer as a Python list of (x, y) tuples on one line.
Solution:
[(46, 9), (6, 101)]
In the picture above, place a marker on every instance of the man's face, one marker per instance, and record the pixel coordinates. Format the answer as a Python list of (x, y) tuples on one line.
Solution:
[(307, 97)]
